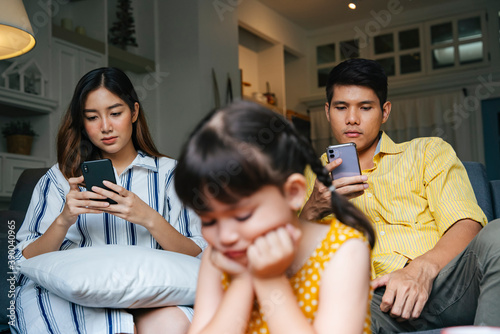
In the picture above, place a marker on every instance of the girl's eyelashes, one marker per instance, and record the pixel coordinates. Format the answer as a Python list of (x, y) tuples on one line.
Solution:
[(206, 223), (242, 218)]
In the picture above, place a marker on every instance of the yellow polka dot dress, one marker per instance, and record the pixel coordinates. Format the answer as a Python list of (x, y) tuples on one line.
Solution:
[(305, 283)]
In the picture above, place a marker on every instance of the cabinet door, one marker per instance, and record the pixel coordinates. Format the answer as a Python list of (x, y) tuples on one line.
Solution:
[(66, 72), (90, 61), (70, 64), (12, 169)]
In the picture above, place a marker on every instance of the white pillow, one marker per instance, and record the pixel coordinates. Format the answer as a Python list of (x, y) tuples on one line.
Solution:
[(116, 276)]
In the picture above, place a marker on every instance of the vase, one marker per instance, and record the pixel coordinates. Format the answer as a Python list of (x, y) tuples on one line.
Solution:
[(19, 144)]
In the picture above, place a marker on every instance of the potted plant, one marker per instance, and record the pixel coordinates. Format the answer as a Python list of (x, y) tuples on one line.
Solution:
[(19, 136)]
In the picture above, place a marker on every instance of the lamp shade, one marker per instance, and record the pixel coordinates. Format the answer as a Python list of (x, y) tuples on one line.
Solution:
[(16, 34)]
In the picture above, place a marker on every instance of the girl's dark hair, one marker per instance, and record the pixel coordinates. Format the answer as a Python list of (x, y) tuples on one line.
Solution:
[(358, 72), (235, 151), (73, 144)]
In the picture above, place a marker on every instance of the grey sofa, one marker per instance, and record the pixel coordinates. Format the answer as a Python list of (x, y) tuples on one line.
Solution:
[(487, 193), (10, 221)]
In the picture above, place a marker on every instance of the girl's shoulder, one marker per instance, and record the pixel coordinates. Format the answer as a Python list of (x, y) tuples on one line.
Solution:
[(341, 232)]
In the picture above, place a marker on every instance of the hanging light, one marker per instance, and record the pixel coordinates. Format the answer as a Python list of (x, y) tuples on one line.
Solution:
[(352, 5), (16, 34)]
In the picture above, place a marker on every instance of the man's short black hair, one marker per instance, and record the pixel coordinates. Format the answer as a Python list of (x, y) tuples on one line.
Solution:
[(358, 72)]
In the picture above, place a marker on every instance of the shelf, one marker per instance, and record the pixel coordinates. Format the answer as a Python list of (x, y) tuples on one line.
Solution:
[(78, 39), (15, 103), (274, 108), (128, 61), (312, 101)]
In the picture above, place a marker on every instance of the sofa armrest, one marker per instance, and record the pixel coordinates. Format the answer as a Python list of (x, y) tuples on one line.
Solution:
[(495, 196), (480, 184), (10, 221)]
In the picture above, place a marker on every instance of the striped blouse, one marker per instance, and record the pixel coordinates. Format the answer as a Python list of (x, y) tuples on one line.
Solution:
[(417, 190)]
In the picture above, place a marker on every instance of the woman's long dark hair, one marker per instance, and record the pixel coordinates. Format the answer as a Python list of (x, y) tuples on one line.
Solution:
[(73, 144), (237, 150)]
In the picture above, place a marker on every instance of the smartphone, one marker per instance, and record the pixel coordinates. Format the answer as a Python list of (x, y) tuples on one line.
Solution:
[(96, 171), (350, 161)]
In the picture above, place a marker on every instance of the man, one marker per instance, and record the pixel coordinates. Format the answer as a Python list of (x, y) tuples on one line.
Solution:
[(429, 268)]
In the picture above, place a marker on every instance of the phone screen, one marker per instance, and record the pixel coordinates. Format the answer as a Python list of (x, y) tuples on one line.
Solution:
[(94, 172), (350, 161)]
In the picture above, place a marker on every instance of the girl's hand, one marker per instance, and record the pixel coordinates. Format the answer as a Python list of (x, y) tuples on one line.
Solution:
[(79, 202), (128, 205), (271, 254), (225, 264)]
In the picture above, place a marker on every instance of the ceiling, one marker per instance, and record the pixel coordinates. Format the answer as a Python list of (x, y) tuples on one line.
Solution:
[(316, 14)]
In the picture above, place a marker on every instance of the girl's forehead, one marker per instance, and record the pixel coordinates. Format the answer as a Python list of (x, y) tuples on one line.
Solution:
[(212, 204)]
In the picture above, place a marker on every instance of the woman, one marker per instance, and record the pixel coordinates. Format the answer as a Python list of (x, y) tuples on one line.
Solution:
[(104, 120)]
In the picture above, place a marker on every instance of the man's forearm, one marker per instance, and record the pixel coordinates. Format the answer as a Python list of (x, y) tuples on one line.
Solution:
[(454, 241)]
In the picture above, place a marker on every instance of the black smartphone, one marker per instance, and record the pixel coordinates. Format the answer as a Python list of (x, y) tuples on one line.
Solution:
[(96, 171), (350, 161)]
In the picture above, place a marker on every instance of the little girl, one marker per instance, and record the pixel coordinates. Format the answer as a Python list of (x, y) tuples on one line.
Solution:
[(265, 270)]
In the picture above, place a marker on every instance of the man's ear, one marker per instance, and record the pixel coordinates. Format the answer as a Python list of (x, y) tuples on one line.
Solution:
[(295, 191), (327, 111), (135, 112), (386, 111)]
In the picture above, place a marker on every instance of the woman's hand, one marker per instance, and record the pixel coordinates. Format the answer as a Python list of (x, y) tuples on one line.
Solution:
[(271, 254), (128, 205), (80, 202)]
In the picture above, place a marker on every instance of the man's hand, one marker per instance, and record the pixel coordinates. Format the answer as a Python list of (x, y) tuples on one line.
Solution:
[(352, 186), (319, 203), (407, 290)]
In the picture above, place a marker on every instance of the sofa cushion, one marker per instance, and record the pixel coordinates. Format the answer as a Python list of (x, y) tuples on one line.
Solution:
[(115, 276)]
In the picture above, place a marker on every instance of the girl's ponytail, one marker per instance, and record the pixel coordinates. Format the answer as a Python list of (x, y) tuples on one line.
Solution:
[(343, 210)]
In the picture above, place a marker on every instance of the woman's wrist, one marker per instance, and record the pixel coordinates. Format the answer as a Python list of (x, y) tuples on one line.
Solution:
[(63, 223), (153, 222)]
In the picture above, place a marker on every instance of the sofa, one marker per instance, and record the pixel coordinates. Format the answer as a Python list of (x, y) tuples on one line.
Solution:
[(487, 193), (10, 221)]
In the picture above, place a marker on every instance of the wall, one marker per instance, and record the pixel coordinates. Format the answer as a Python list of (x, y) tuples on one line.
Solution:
[(277, 53), (192, 39), (260, 19)]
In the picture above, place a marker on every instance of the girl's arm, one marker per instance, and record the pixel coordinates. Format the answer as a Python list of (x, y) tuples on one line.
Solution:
[(345, 290), (343, 296), (218, 311)]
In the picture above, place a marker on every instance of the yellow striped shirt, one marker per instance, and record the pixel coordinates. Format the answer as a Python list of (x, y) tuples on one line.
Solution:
[(417, 190)]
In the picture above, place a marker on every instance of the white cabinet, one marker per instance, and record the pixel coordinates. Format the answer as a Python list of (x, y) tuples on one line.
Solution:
[(66, 55), (11, 166), (15, 105), (70, 62)]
